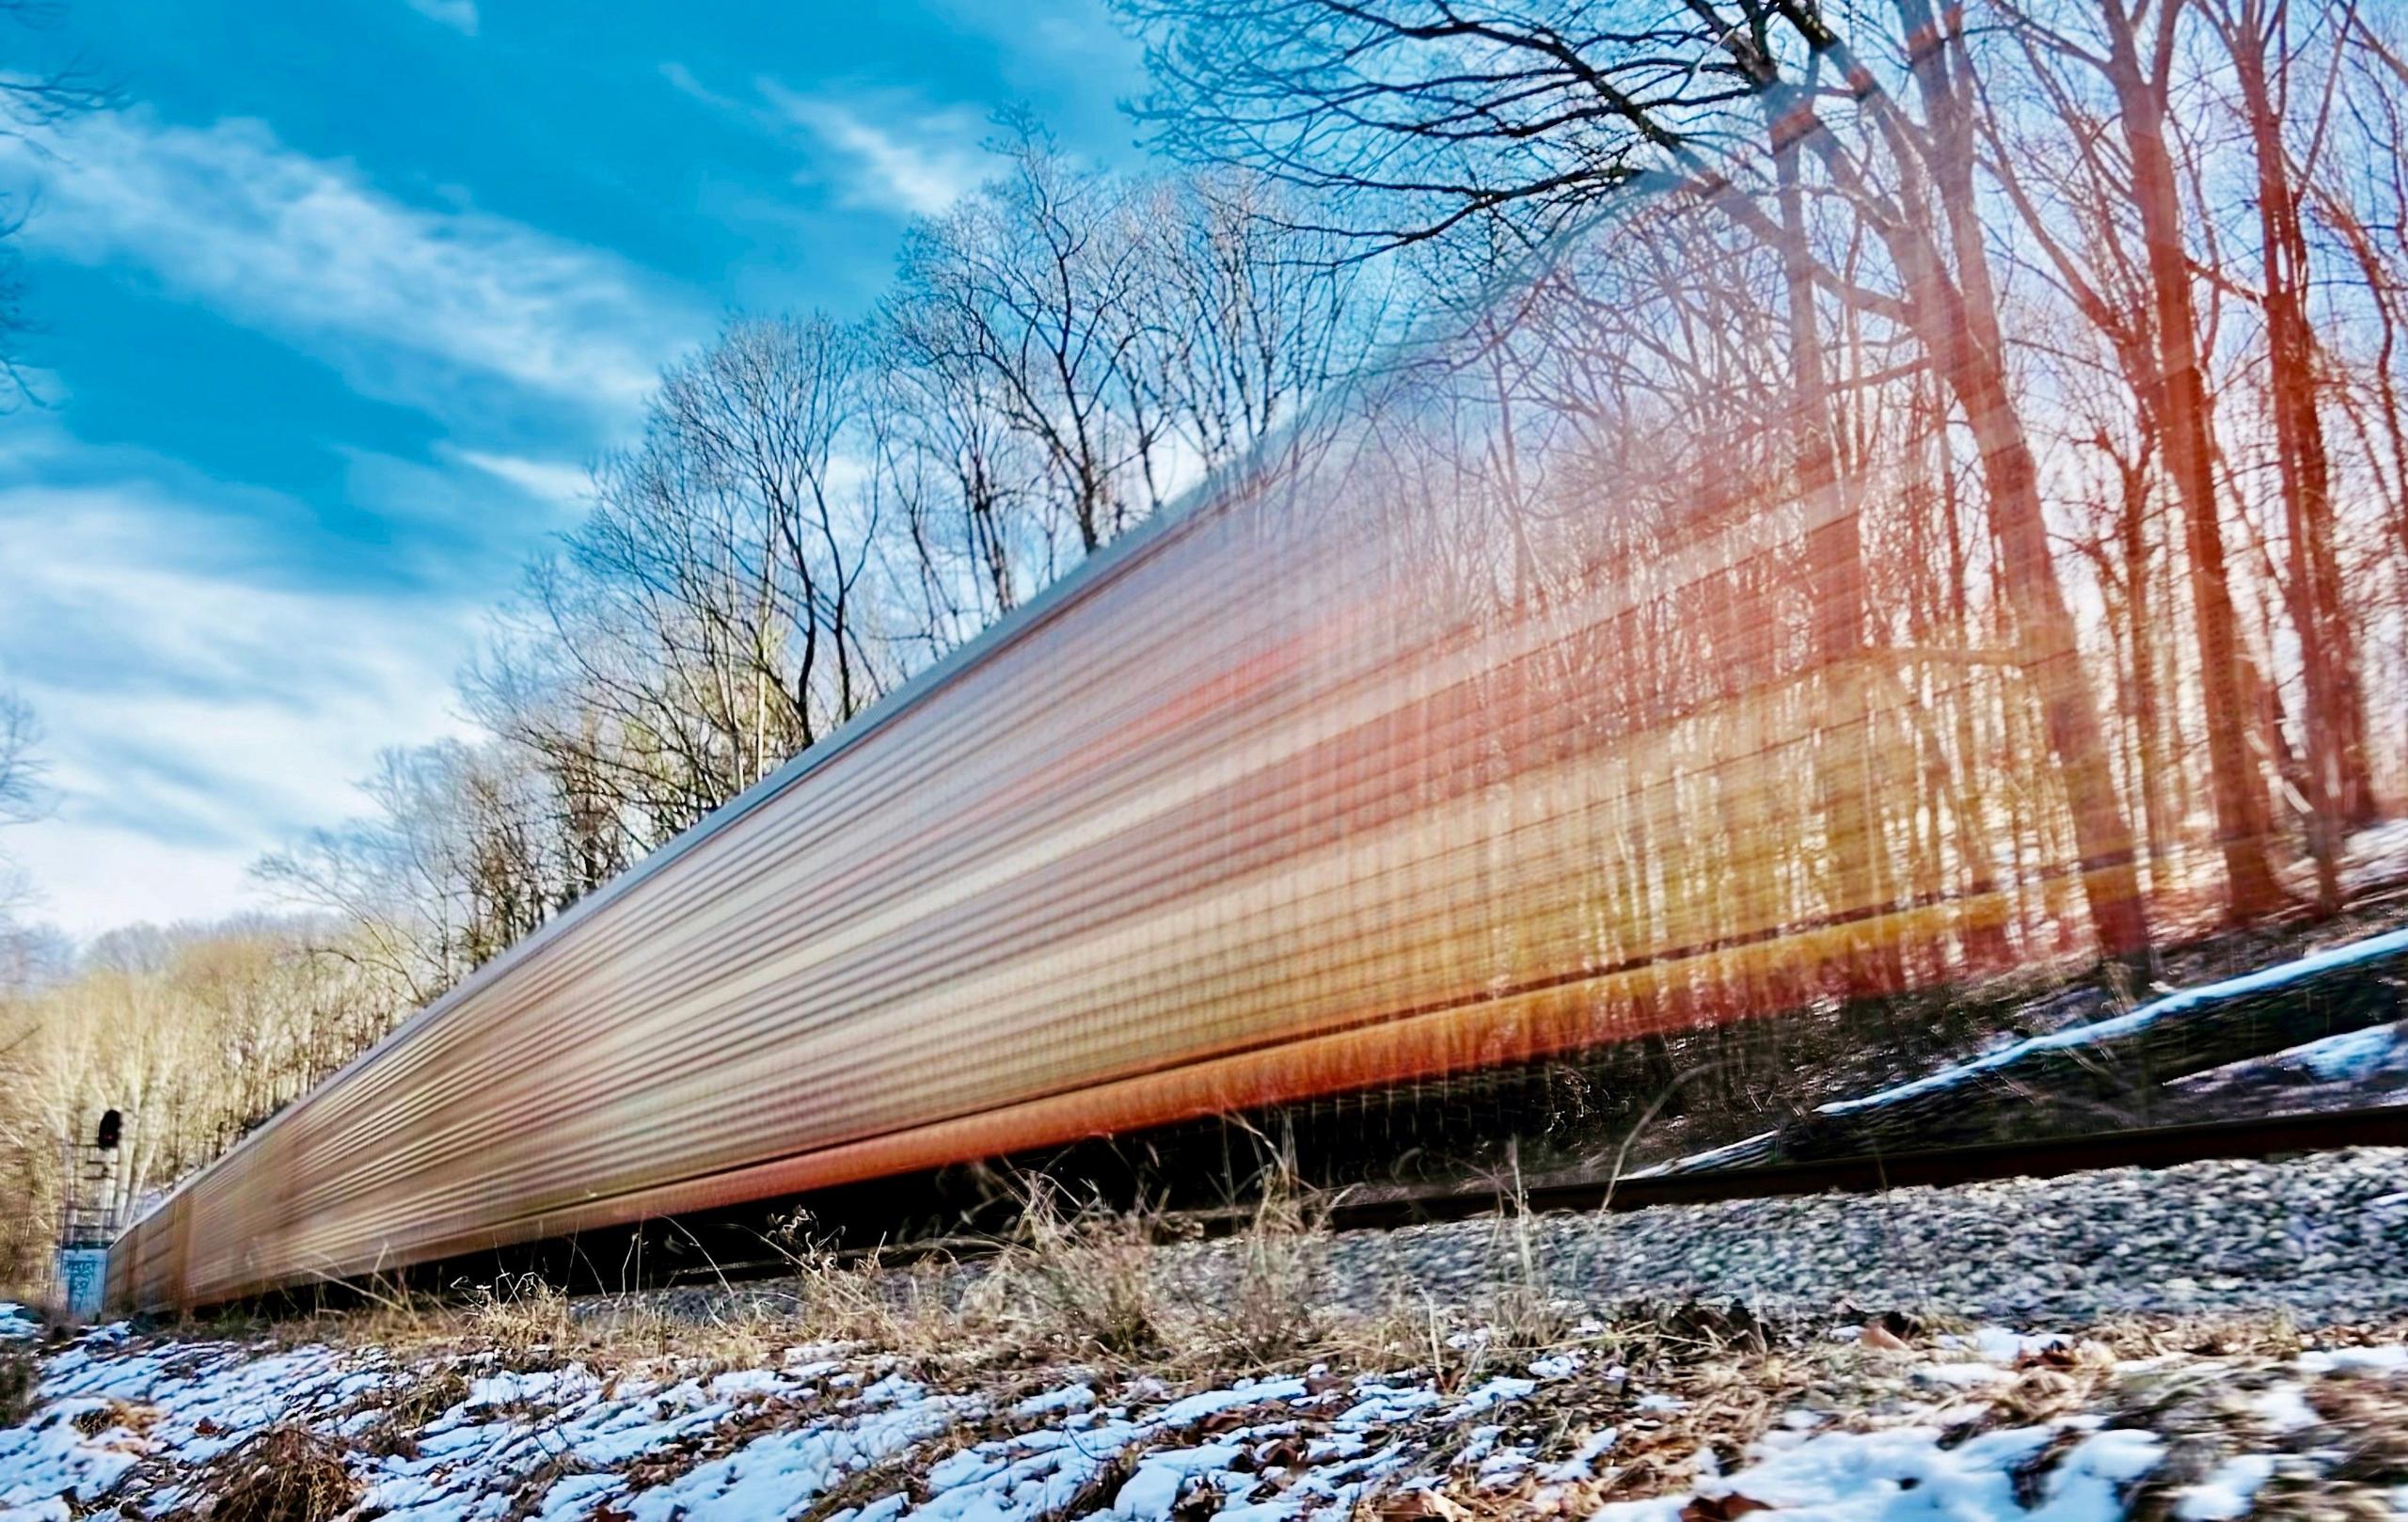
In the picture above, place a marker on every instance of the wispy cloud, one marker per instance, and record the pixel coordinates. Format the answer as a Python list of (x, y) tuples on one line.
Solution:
[(311, 249), (900, 156), (200, 707), (556, 483), (460, 15), (684, 80), (881, 149)]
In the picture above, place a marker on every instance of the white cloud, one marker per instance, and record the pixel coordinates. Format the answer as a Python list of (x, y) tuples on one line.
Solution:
[(198, 708), (683, 80), (548, 480), (90, 878), (903, 156), (308, 248), (460, 15)]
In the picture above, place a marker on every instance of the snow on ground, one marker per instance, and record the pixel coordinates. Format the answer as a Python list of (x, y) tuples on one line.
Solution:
[(16, 1323), (2372, 1059), (2173, 1006), (1848, 1424), (2375, 856)]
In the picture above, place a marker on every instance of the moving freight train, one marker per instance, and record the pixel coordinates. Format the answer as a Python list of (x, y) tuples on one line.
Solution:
[(1367, 766)]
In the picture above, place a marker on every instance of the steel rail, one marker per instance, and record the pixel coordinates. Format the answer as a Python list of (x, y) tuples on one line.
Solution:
[(1384, 1208), (2045, 1157)]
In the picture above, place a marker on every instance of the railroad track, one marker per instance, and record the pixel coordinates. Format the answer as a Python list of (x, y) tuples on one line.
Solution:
[(2151, 1147), (1373, 1208)]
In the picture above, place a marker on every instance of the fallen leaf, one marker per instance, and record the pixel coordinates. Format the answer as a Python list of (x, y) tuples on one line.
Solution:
[(1418, 1506), (1720, 1508)]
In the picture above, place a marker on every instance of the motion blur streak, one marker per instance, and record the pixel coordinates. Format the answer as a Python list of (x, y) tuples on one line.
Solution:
[(1357, 771)]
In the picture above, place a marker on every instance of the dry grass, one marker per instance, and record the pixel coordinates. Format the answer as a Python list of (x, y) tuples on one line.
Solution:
[(1094, 1289), (1081, 1295), (405, 1407), (19, 1374), (1076, 1283), (286, 1474)]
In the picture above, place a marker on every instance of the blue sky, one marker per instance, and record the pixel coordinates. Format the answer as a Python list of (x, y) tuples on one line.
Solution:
[(337, 308)]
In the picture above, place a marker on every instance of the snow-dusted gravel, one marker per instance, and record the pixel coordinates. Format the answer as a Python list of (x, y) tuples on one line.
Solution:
[(2089, 1378), (1843, 1425), (2321, 1238)]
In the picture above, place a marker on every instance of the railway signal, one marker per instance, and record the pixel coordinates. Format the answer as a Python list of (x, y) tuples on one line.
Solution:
[(88, 1216)]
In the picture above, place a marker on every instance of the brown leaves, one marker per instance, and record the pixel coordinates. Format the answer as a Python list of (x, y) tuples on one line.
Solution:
[(1720, 1508), (1418, 1506), (1229, 1418)]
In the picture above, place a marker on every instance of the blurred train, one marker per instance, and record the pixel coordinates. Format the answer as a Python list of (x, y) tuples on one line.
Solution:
[(1366, 766)]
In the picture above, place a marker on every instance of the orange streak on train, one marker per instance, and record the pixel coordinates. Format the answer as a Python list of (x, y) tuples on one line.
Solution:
[(1290, 796)]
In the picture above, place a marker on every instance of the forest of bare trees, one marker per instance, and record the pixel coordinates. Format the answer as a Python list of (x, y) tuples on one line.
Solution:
[(1993, 411), (2065, 333), (818, 509)]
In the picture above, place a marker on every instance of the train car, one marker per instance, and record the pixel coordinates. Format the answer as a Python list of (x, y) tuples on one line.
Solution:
[(1352, 771)]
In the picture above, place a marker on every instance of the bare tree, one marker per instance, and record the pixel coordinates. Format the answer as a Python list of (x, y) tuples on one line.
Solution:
[(1036, 286), (1421, 115), (31, 100), (457, 863), (708, 618), (22, 799), (2258, 35), (21, 770)]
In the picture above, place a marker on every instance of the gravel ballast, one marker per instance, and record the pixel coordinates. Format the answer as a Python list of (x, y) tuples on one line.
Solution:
[(2323, 1238)]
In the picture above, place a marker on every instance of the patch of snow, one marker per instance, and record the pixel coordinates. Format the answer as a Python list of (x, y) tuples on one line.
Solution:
[(1069, 1397), (2285, 1408), (1583, 1462), (2001, 1345), (2227, 1493), (1908, 1471), (747, 1382), (2351, 1058), (2352, 1054), (1161, 1477), (16, 1323), (1244, 1393), (778, 1476), (1498, 1392), (1962, 1375), (1711, 1157), (2355, 953), (2384, 1359), (1382, 1405), (123, 1428)]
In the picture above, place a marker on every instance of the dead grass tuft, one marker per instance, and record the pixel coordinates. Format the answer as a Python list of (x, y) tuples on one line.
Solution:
[(519, 1316), (286, 1474), (527, 1499), (1081, 1281), (19, 1374), (856, 1300), (406, 1408), (116, 1415)]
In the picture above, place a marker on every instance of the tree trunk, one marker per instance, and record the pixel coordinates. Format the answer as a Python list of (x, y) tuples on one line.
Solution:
[(1961, 326), (2132, 531), (2339, 793), (2242, 823), (1835, 580)]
